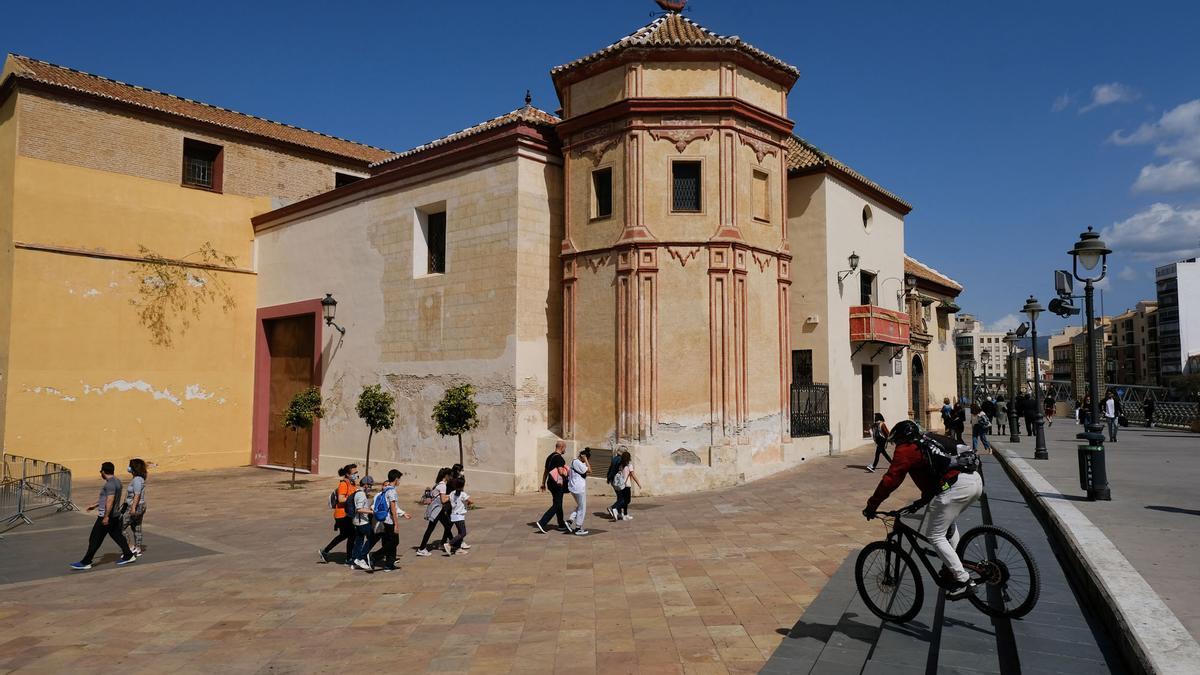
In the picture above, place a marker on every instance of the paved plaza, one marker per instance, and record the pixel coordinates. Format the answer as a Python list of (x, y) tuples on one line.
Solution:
[(700, 583), (1154, 515)]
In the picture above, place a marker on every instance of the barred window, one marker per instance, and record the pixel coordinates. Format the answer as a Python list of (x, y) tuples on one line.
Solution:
[(685, 178), (202, 164), (436, 233)]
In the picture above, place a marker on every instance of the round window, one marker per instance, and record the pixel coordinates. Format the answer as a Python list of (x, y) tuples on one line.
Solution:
[(867, 217)]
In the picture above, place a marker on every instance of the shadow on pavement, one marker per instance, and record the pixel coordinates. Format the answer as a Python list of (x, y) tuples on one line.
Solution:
[(1175, 509)]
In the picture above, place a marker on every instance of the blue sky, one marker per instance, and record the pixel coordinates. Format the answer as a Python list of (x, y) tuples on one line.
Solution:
[(1010, 126)]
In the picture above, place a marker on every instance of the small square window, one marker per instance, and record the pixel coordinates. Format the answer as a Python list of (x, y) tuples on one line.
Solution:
[(602, 193), (685, 180), (202, 164), (762, 196)]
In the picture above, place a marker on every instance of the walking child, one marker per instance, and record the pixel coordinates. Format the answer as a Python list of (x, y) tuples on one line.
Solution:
[(879, 432), (385, 527), (459, 501), (622, 483), (361, 511)]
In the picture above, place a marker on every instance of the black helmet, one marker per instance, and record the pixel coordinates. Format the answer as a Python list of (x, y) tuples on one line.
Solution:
[(906, 431)]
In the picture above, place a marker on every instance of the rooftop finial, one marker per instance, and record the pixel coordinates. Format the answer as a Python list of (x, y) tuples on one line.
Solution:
[(673, 6), (528, 98)]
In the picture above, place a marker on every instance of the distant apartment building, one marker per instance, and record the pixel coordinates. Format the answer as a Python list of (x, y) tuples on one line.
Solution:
[(1062, 354), (1104, 354), (1135, 345), (980, 353), (1178, 287)]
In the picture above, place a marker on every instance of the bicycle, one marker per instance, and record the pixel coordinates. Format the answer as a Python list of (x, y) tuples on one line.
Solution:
[(999, 563)]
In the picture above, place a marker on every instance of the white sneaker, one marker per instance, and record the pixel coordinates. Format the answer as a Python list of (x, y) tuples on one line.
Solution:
[(424, 553), (465, 545), (626, 516), (871, 468), (362, 565), (446, 547), (539, 526), (615, 515), (581, 532), (570, 526), (461, 551)]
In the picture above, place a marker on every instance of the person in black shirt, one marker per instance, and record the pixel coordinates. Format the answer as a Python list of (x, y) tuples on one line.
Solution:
[(554, 480)]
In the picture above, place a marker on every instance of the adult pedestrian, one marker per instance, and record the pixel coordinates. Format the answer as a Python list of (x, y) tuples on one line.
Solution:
[(1048, 409), (135, 504), (622, 482), (386, 529), (581, 466), (980, 430), (1112, 413), (1029, 411), (360, 515), (879, 433), (436, 513), (947, 415), (1149, 408), (958, 422), (343, 521), (554, 480), (1002, 414), (108, 522), (1086, 411)]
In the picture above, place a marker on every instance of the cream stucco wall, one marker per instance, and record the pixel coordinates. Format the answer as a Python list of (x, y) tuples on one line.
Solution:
[(674, 79), (486, 321), (8, 144), (825, 227)]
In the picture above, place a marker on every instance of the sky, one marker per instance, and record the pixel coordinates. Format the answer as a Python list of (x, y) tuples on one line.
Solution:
[(1011, 127)]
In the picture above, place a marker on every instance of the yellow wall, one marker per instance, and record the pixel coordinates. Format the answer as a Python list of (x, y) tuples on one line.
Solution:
[(87, 383), (8, 142)]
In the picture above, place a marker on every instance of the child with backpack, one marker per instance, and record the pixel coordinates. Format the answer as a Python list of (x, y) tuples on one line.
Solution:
[(458, 503), (980, 430), (339, 501), (622, 480), (387, 514), (436, 513), (361, 511), (879, 432)]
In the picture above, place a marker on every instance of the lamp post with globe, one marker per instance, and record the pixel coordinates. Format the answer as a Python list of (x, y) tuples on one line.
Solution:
[(1088, 253)]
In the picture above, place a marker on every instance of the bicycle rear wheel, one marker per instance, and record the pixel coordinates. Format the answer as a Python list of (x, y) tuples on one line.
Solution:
[(1006, 574), (888, 581)]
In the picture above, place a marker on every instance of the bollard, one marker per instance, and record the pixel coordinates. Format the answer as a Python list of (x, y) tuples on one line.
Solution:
[(1085, 465)]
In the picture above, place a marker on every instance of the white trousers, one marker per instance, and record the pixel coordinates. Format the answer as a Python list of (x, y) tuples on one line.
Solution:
[(940, 515), (580, 511)]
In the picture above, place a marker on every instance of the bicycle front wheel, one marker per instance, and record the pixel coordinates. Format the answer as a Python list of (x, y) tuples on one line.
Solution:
[(889, 582), (1006, 574)]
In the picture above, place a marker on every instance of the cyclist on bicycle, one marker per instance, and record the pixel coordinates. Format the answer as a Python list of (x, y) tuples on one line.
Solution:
[(946, 495)]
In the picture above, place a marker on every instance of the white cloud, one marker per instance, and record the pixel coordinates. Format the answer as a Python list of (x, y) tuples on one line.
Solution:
[(1175, 136), (1062, 102), (1127, 273), (1177, 175), (1005, 323), (1161, 233), (1108, 94)]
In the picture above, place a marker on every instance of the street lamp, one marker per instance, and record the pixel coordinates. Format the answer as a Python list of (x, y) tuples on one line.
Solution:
[(1010, 338), (986, 356), (329, 312), (1089, 252), (1031, 309)]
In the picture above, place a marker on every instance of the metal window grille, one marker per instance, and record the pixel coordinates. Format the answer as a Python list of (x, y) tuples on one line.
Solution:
[(809, 410), (198, 171), (686, 186), (436, 239)]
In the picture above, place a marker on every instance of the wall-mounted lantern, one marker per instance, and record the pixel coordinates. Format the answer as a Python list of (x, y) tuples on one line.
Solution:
[(329, 311)]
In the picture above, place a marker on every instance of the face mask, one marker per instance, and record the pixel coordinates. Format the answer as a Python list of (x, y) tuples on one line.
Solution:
[(354, 477), (129, 469)]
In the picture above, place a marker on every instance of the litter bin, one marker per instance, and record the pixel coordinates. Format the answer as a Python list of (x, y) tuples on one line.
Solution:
[(1089, 454)]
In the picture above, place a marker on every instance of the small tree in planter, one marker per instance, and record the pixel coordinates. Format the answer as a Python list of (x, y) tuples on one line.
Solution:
[(304, 409), (377, 408), (456, 414)]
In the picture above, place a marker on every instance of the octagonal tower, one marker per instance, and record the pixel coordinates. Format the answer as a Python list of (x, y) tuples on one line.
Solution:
[(675, 257)]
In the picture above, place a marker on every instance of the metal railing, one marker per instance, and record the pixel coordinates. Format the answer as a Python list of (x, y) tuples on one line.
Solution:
[(30, 484), (1170, 414), (810, 410)]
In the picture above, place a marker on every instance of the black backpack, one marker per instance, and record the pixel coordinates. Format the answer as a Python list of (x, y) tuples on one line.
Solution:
[(613, 467), (942, 455)]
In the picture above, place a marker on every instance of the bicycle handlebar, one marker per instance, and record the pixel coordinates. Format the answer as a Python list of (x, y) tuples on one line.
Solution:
[(911, 508)]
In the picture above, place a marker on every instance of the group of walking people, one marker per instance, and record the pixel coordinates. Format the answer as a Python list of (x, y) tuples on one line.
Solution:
[(559, 477), (118, 508), (364, 517)]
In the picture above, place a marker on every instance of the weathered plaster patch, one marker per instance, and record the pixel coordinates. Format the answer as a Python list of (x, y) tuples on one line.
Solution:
[(196, 392), (91, 293), (50, 391), (139, 385)]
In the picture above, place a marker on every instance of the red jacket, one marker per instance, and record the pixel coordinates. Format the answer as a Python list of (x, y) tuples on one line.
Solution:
[(908, 461)]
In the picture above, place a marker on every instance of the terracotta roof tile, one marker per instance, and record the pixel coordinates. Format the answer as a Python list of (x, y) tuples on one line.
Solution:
[(25, 68), (671, 31), (804, 156), (527, 114), (920, 270)]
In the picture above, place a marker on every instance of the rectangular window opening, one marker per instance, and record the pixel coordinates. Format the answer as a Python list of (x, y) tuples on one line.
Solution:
[(602, 193), (762, 196), (802, 366), (435, 237), (685, 181), (343, 179), (202, 164), (866, 288)]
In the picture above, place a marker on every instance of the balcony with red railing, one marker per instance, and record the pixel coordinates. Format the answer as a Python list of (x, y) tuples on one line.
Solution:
[(869, 323)]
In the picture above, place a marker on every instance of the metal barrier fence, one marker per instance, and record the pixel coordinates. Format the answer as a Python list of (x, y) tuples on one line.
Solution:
[(30, 484), (810, 410), (1170, 414)]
